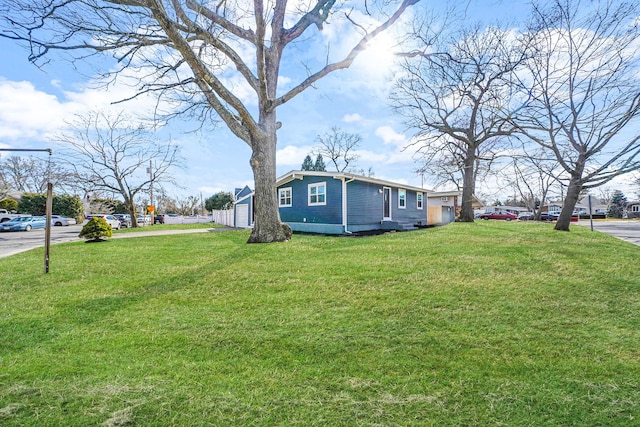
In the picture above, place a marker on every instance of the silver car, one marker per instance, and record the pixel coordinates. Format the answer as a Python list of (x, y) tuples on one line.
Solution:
[(59, 220), (110, 219)]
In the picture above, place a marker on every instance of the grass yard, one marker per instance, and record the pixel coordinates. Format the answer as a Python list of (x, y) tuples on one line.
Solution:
[(485, 324)]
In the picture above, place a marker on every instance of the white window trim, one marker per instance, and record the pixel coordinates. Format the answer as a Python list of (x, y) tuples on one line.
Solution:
[(402, 191), (635, 208), (419, 200), (316, 184), (284, 205)]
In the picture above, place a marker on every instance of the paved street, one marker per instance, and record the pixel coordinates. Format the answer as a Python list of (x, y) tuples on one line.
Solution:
[(13, 242), (628, 230)]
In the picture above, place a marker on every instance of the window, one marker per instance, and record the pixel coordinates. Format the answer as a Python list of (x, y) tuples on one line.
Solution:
[(444, 199), (635, 208), (402, 199), (419, 198), (317, 194), (284, 197)]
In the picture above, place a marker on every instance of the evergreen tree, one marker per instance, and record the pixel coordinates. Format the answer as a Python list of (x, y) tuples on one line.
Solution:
[(319, 165), (617, 205), (219, 201), (307, 164)]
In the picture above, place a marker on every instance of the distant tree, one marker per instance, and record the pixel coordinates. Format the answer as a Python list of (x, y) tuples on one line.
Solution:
[(219, 201), (368, 173), (31, 174), (186, 205), (113, 153), (533, 176), (107, 205), (62, 204), (339, 147), (617, 205), (319, 165), (307, 164), (9, 204), (455, 93)]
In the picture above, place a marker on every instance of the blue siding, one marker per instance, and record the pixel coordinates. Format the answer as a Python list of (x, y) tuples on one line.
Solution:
[(411, 214), (300, 212), (364, 207), (364, 203)]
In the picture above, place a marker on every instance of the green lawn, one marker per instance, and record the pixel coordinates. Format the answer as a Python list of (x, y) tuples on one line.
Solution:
[(486, 324)]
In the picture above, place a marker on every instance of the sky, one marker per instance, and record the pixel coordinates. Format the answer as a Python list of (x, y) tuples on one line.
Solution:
[(35, 104)]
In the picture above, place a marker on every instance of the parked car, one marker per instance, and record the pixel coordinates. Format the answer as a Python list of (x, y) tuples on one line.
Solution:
[(143, 220), (159, 219), (499, 215), (125, 220), (110, 219), (546, 216), (24, 223), (526, 216), (59, 220)]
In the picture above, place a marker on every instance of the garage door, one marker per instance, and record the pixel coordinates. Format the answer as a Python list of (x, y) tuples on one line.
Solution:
[(242, 215)]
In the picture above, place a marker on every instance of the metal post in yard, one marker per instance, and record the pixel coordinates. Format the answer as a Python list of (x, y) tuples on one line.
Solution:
[(47, 230), (590, 214)]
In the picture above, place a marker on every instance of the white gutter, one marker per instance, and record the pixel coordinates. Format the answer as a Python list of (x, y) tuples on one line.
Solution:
[(344, 202)]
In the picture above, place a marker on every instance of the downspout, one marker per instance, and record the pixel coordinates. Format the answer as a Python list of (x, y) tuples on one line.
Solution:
[(344, 203)]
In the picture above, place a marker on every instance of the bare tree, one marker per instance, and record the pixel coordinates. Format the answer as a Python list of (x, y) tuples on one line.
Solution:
[(339, 147), (585, 93), (445, 165), (112, 154), (198, 50), (31, 174), (186, 205), (534, 176), (456, 94)]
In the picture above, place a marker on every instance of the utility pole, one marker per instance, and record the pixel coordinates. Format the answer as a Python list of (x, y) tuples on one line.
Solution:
[(150, 171)]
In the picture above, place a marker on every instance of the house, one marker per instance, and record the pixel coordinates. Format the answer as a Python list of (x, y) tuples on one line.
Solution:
[(444, 206), (633, 209), (343, 203), (243, 207)]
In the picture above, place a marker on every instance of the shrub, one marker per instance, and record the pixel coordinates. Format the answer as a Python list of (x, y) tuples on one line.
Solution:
[(65, 205), (95, 230)]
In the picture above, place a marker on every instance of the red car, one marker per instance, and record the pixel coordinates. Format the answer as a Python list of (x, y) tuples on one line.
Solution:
[(499, 215)]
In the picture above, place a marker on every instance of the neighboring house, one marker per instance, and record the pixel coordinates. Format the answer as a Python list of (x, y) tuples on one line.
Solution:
[(243, 212), (633, 209), (597, 206), (444, 206), (342, 203)]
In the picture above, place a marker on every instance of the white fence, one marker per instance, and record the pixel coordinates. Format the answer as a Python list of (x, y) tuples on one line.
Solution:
[(224, 217), (220, 217)]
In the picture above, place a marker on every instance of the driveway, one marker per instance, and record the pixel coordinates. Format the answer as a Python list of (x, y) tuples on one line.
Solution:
[(628, 230), (13, 242)]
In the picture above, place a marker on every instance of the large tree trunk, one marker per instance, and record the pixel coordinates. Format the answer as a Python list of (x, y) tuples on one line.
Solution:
[(570, 200), (468, 185), (267, 227)]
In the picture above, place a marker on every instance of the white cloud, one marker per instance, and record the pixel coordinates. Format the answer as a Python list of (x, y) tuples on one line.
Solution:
[(351, 118), (27, 113), (390, 136), (292, 155)]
